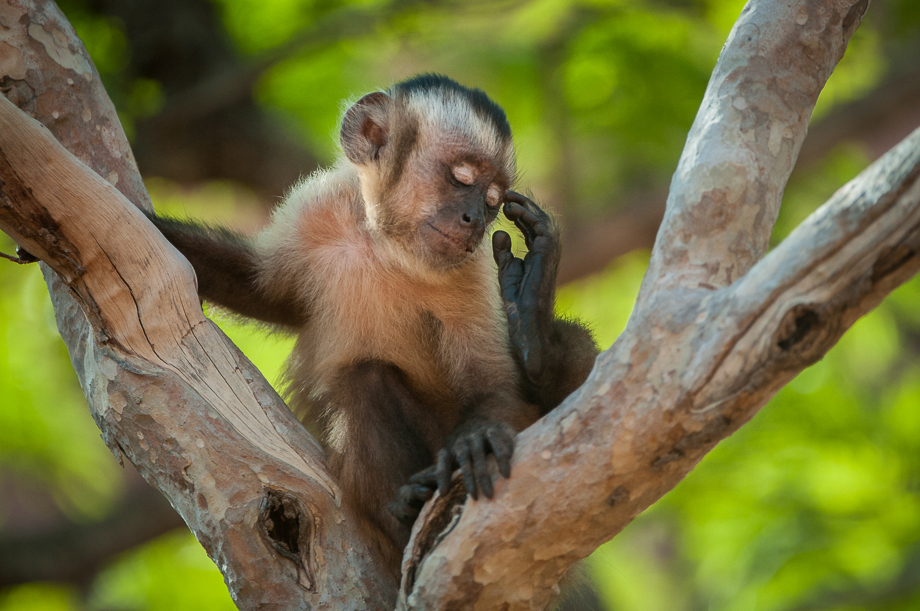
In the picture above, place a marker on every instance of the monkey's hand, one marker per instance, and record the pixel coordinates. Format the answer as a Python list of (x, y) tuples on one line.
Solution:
[(467, 448), (528, 285)]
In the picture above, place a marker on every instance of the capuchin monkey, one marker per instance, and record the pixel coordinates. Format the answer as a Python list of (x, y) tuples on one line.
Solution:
[(413, 357)]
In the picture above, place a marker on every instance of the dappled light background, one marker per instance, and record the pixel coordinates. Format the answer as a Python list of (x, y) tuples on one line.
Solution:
[(813, 505)]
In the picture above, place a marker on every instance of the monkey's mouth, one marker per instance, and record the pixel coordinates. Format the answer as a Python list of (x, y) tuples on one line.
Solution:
[(465, 244)]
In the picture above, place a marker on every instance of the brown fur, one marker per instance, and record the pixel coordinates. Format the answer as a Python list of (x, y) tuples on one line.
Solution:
[(384, 312), (403, 356)]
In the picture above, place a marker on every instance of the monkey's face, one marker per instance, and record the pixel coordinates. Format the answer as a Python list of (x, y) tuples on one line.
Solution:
[(433, 172), (463, 199)]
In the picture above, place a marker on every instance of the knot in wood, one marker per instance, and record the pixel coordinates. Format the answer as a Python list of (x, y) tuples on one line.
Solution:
[(287, 527), (807, 331), (795, 326), (618, 496)]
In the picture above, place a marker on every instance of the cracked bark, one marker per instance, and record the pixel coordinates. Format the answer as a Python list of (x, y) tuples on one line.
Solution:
[(169, 392)]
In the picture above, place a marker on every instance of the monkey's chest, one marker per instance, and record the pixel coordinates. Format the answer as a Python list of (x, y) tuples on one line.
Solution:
[(377, 321), (448, 336)]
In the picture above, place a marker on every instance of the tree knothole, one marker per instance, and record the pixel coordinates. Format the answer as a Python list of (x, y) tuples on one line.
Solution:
[(795, 327), (618, 496), (286, 525)]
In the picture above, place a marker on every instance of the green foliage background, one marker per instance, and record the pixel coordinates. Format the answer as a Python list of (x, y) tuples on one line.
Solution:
[(813, 505)]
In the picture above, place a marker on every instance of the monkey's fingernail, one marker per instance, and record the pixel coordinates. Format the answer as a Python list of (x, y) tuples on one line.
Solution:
[(486, 484)]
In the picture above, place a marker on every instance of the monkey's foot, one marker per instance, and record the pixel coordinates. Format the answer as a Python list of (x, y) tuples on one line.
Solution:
[(412, 497), (468, 447)]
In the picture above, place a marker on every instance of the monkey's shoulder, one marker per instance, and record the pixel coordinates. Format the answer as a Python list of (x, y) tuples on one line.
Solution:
[(319, 219)]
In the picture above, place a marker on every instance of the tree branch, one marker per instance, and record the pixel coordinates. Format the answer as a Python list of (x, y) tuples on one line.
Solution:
[(726, 192), (877, 121), (75, 552), (166, 387), (700, 354)]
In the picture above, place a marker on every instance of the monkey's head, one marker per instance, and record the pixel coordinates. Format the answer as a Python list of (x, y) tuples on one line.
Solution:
[(434, 159)]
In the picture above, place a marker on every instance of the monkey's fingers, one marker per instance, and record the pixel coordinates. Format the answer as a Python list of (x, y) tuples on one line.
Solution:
[(531, 220), (514, 196), (464, 459), (526, 202), (533, 224), (502, 448), (445, 468), (501, 249), (481, 466), (510, 272), (426, 477), (501, 242)]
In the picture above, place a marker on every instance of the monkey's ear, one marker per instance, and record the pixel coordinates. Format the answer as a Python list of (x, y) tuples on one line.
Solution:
[(365, 128)]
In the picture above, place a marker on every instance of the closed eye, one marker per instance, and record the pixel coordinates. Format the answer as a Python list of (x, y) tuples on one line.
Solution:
[(456, 182), (494, 196), (463, 175)]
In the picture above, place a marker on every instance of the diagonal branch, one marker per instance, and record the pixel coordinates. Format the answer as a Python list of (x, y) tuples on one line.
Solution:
[(700, 355), (653, 408), (166, 387), (840, 263)]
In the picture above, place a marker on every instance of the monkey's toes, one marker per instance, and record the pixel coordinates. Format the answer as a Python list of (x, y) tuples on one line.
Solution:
[(409, 502)]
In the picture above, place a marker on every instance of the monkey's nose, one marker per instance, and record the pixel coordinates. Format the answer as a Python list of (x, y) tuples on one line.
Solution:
[(472, 223)]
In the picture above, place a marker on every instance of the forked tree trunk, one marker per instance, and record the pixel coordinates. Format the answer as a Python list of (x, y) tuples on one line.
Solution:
[(718, 328)]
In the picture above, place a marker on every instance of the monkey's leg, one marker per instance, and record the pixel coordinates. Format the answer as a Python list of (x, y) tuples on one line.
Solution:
[(377, 436), (553, 355), (227, 267)]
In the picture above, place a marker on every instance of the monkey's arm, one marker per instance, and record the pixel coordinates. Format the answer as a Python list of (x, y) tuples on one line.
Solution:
[(554, 355), (228, 269)]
